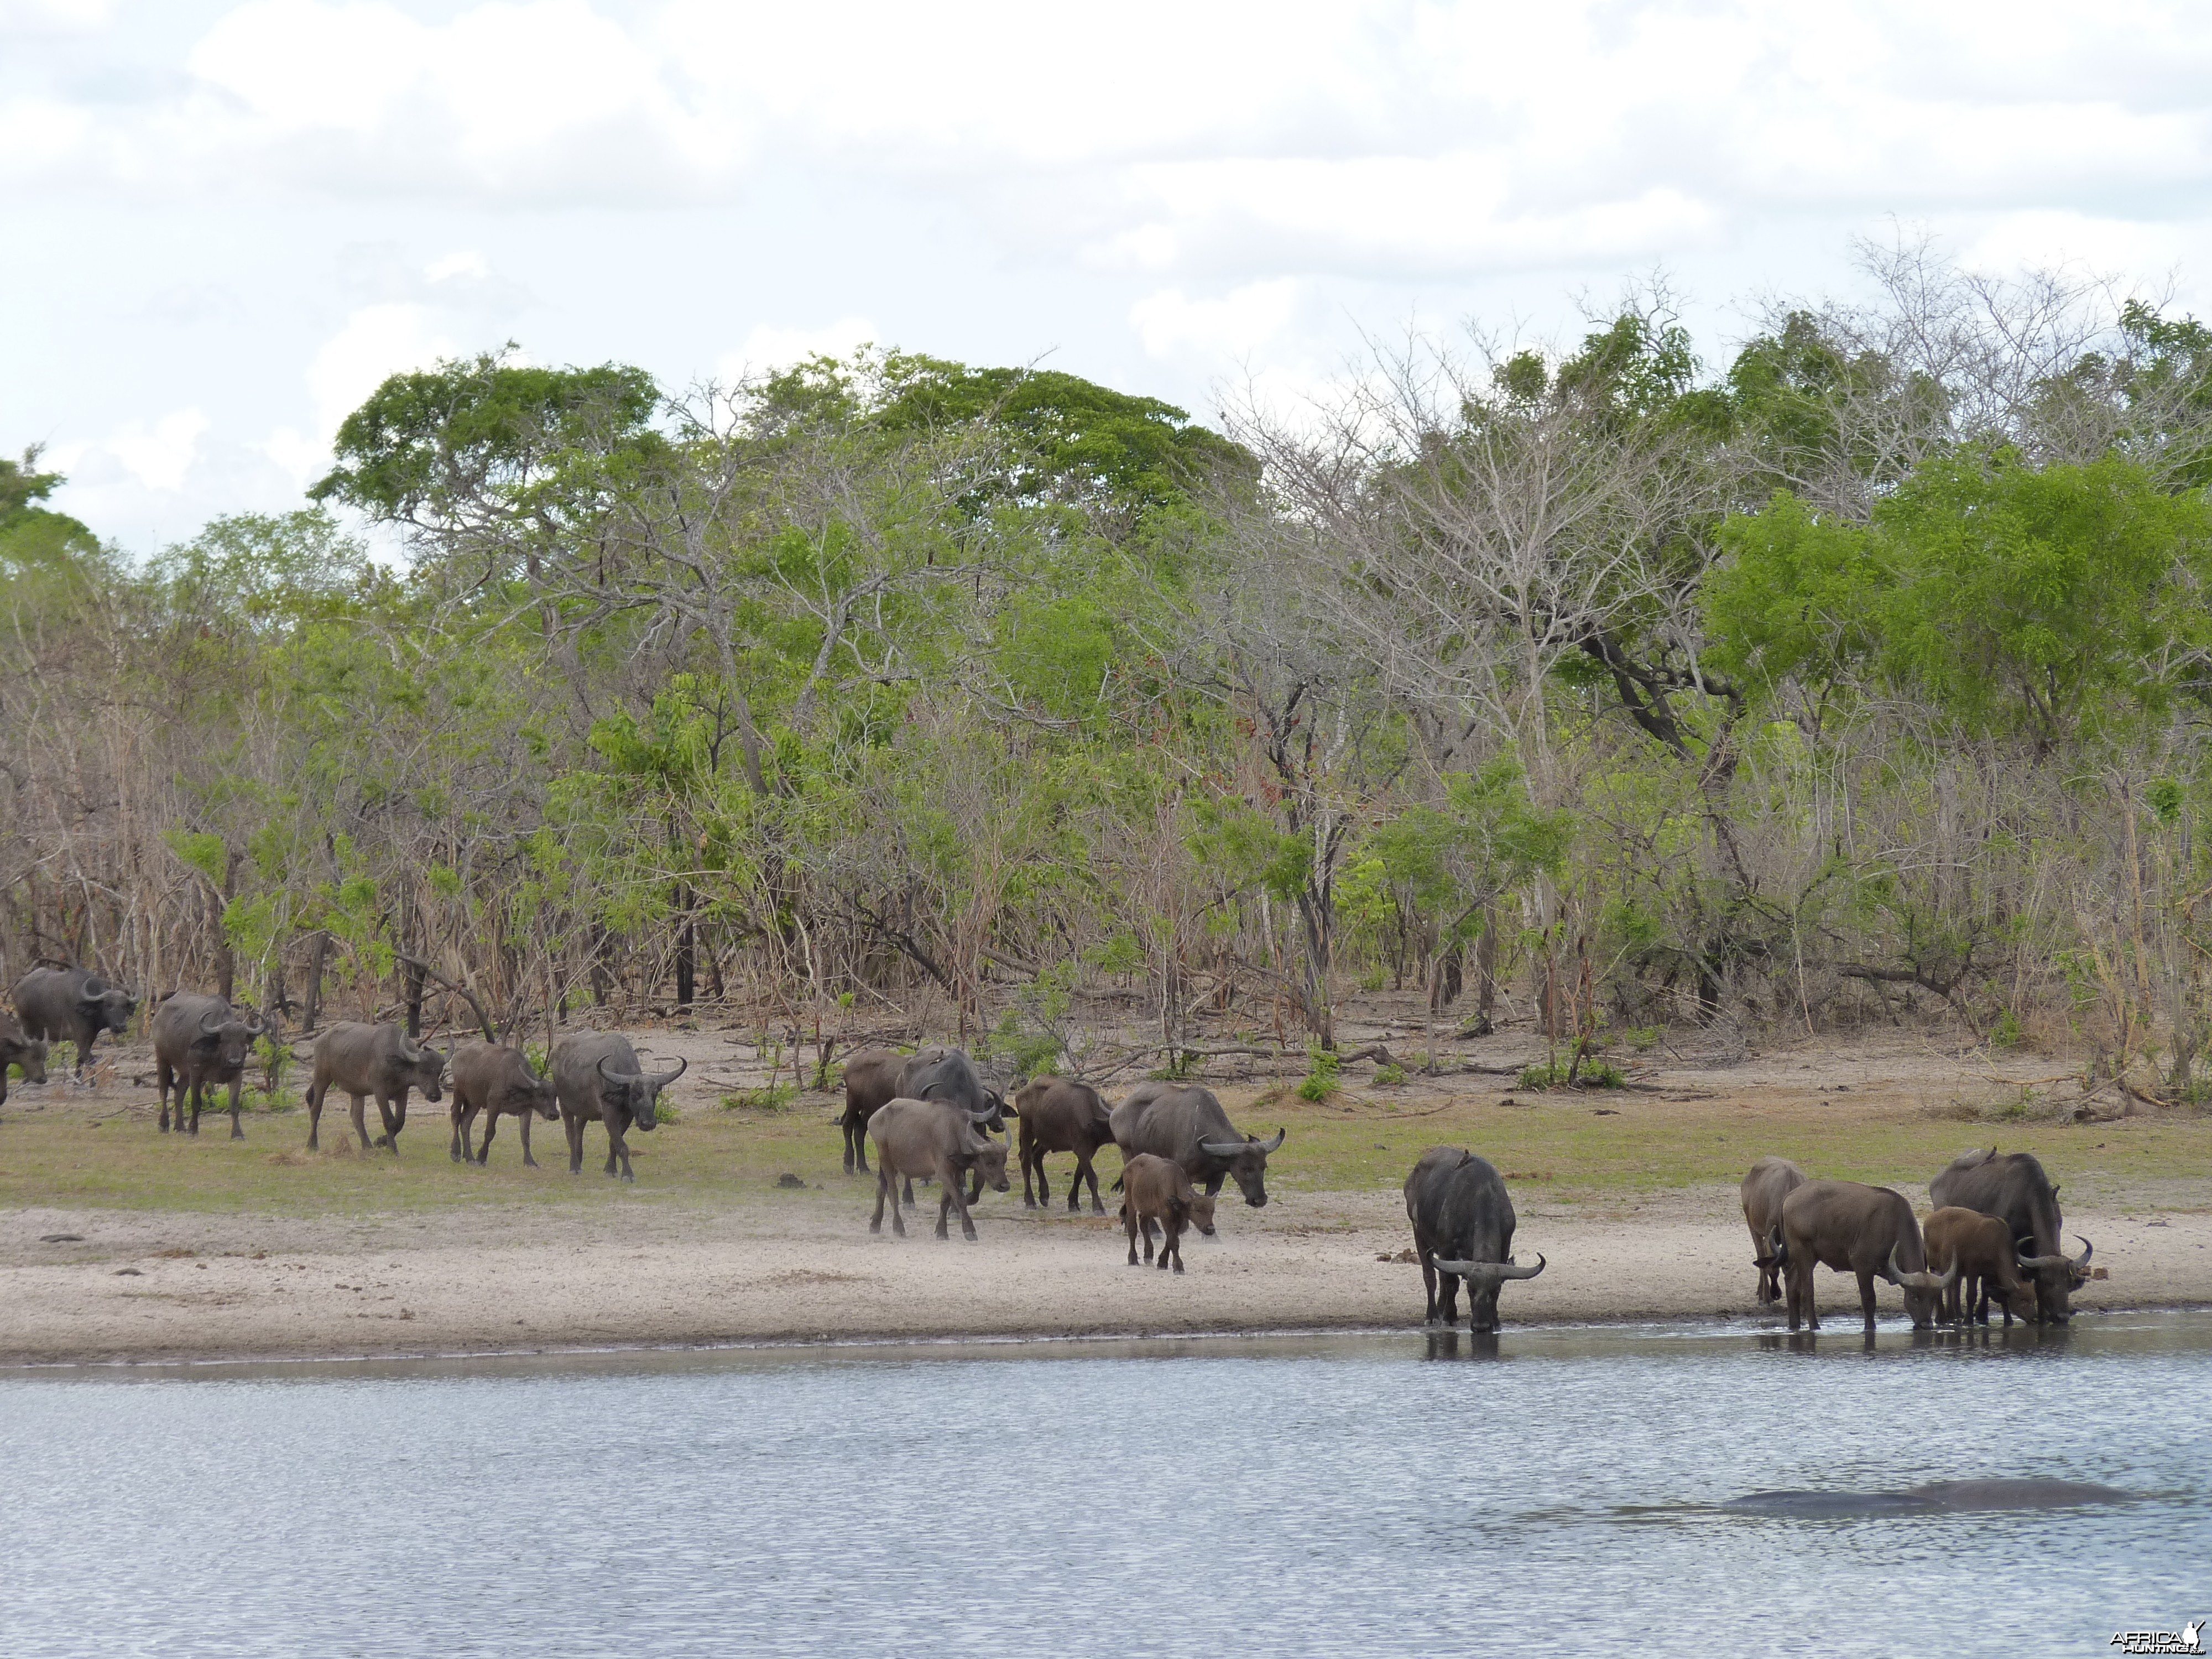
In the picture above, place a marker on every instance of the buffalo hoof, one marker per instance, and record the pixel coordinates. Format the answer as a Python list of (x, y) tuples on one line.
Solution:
[(1178, 1266), (527, 1163), (237, 1133), (165, 1126)]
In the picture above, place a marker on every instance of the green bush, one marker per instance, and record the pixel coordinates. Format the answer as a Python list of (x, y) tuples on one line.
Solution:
[(772, 1099), (1593, 1074), (664, 1112), (1387, 1075), (1321, 1075)]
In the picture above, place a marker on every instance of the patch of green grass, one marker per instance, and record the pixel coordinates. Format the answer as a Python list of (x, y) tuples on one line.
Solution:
[(1591, 1074), (1386, 1076), (1322, 1074), (773, 1098)]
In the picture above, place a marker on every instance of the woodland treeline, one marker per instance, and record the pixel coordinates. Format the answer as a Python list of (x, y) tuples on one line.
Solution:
[(1859, 676)]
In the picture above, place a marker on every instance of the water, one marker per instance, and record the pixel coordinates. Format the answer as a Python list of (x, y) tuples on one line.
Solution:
[(1386, 1494)]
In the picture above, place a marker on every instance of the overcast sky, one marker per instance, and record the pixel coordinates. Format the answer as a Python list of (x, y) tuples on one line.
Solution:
[(223, 224)]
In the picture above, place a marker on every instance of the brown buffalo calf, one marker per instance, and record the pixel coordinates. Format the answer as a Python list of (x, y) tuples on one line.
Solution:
[(1981, 1247), (1157, 1189)]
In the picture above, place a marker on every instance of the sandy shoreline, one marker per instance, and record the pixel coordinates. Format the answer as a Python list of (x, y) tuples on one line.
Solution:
[(151, 1287)]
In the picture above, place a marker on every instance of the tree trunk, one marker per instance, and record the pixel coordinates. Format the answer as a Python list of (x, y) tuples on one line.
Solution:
[(412, 972), (226, 962), (687, 949), (1485, 972), (312, 1010)]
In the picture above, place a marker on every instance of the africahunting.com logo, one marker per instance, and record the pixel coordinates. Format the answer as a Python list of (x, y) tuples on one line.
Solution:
[(2190, 1639)]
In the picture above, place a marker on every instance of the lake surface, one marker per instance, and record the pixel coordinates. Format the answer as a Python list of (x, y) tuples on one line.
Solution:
[(1384, 1494)]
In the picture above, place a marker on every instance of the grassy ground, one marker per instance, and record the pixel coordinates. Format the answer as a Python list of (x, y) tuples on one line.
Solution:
[(1586, 1149)]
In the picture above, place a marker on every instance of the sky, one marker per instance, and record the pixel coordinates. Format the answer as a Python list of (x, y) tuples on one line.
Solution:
[(222, 224)]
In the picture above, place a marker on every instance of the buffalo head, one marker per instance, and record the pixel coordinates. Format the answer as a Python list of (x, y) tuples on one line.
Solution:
[(422, 1068), (108, 1007), (2057, 1277), (1201, 1212), (991, 1164), (29, 1053), (1483, 1281), (1247, 1163), (1923, 1291), (634, 1092), (226, 1040)]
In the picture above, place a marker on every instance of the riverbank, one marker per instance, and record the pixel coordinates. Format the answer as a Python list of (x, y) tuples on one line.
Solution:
[(118, 1243)]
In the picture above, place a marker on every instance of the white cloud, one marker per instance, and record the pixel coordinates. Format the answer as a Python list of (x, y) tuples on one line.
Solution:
[(377, 341), (32, 18), (769, 348), (159, 455), (1245, 318)]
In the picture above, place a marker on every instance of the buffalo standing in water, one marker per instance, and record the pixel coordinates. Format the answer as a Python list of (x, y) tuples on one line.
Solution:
[(875, 1077), (1981, 1247), (1463, 1227), (936, 1139), (68, 1005), (599, 1080), (197, 1041), (1187, 1126), (491, 1078), (1058, 1115), (360, 1061), (1868, 1231), (17, 1049), (2015, 1190), (1770, 1180)]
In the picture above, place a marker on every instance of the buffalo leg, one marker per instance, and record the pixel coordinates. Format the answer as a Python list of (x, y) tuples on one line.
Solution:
[(956, 1198), (574, 1126), (522, 1123), (391, 1122), (315, 1093), (464, 1116), (1086, 1170), (237, 1087), (1129, 1221), (163, 1078), (360, 1123), (1866, 1297), (1429, 1284), (484, 1149), (1147, 1223), (1793, 1292), (194, 1129), (1170, 1243), (1213, 1183), (617, 1151)]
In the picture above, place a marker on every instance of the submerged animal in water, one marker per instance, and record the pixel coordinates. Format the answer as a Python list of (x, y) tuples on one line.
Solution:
[(1936, 1495)]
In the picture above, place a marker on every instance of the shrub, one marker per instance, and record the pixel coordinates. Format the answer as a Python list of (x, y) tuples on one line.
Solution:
[(1320, 1074), (1387, 1075), (1592, 1074), (774, 1098)]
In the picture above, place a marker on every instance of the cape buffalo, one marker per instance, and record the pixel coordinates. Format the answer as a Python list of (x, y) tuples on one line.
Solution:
[(360, 1061), (1770, 1180), (2015, 1190), (491, 1078), (937, 1139), (599, 1080), (197, 1041), (1856, 1228), (1186, 1123), (1981, 1247), (17, 1049), (874, 1077), (1058, 1115), (1155, 1189), (1462, 1229), (68, 1005)]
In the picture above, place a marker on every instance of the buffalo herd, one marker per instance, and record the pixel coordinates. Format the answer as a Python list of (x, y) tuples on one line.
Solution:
[(1995, 1235)]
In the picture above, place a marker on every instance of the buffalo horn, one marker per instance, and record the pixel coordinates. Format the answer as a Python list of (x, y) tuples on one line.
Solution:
[(2088, 1250), (662, 1079), (1276, 1144), (1491, 1269), (2036, 1263), (94, 988), (1922, 1281), (212, 1021), (617, 1077), (259, 1026), (1231, 1148)]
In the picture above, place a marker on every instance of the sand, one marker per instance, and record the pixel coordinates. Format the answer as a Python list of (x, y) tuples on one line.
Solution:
[(146, 1287)]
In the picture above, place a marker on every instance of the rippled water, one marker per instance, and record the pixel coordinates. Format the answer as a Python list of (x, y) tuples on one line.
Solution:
[(1389, 1494)]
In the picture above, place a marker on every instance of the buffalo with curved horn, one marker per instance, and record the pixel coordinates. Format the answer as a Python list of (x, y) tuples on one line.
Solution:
[(199, 1039), (2014, 1189), (360, 1061), (69, 1005), (1185, 1125), (598, 1078), (1866, 1231), (1463, 1224)]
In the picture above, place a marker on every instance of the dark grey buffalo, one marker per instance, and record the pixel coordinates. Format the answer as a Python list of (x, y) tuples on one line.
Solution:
[(1464, 1226), (492, 1079), (1867, 1231), (17, 1049), (197, 1041), (1058, 1115), (875, 1077), (68, 1005), (600, 1080), (1186, 1124), (938, 1139), (361, 1061), (1770, 1180), (2015, 1190)]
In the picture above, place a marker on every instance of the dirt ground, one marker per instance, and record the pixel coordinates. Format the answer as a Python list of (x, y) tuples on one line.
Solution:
[(117, 1243)]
